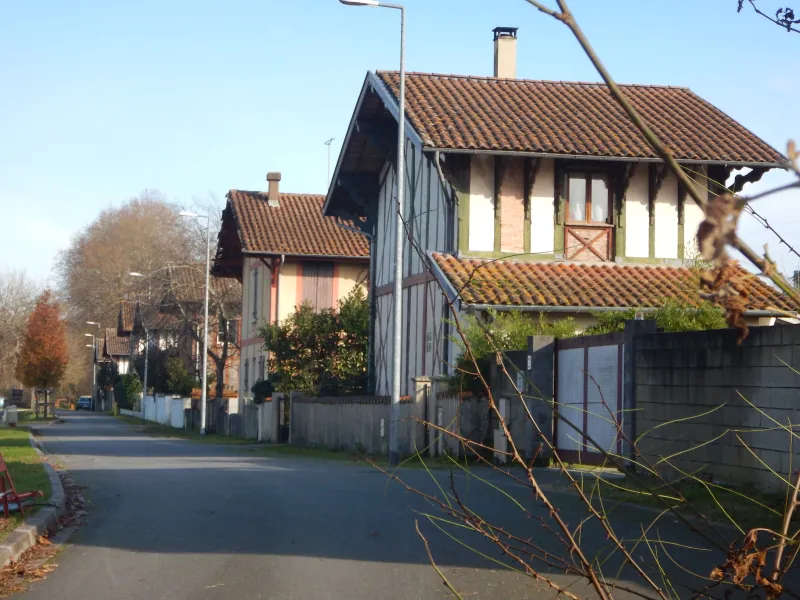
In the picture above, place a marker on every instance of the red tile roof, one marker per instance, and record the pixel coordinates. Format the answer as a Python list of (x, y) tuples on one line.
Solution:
[(296, 227), (127, 313), (116, 345), (187, 283), (483, 113), (513, 283)]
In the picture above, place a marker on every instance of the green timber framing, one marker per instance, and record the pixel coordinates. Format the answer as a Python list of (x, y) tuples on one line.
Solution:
[(623, 175)]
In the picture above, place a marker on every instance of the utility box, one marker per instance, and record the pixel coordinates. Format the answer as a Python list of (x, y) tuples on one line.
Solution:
[(10, 416)]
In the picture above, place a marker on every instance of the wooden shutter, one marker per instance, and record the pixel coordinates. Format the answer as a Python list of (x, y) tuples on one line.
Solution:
[(318, 284)]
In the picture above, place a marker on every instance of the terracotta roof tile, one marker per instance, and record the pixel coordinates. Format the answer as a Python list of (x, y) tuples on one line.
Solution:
[(187, 284), (127, 313), (116, 345), (559, 117), (513, 283), (296, 227)]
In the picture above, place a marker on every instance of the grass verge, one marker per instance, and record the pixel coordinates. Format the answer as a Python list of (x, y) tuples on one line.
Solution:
[(413, 462), (159, 430), (744, 507), (26, 468)]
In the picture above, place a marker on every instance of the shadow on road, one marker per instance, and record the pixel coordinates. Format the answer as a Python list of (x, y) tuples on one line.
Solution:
[(164, 496)]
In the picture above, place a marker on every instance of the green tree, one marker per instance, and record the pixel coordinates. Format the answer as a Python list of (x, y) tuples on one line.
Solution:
[(671, 316), (179, 380), (130, 387), (321, 352), (505, 330)]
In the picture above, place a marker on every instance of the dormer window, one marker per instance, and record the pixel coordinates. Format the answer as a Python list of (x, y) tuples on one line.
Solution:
[(589, 198)]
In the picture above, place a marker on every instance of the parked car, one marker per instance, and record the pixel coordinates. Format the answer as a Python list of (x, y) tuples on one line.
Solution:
[(84, 402)]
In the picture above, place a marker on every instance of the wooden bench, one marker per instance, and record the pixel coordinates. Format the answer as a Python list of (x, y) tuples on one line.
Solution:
[(9, 494)]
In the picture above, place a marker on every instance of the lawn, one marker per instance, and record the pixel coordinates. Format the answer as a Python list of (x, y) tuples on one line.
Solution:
[(719, 503), (26, 468)]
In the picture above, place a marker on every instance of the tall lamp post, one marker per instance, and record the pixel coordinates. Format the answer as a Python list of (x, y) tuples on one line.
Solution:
[(185, 213), (94, 361), (400, 232), (146, 343), (93, 346)]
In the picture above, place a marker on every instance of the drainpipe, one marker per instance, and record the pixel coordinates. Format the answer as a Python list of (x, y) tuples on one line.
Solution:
[(276, 273)]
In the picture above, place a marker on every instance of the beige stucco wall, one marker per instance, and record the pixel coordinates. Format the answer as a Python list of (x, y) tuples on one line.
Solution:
[(287, 289), (349, 275), (251, 266)]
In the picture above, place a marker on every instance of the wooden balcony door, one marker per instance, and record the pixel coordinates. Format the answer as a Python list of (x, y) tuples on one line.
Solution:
[(589, 230)]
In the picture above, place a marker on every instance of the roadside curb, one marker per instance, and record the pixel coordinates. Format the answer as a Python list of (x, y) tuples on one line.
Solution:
[(27, 535)]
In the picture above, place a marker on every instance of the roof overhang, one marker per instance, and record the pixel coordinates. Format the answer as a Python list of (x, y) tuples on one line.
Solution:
[(370, 141), (523, 153), (228, 259), (598, 309), (330, 257)]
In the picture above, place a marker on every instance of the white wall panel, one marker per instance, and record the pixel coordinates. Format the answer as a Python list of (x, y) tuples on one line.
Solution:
[(667, 218), (637, 221), (693, 215), (542, 195), (481, 203)]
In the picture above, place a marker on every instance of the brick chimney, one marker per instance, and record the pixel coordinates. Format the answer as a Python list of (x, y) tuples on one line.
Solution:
[(273, 195), (505, 52)]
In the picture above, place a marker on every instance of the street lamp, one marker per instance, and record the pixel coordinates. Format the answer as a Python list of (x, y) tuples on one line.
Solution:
[(399, 233), (146, 344), (203, 397), (94, 360)]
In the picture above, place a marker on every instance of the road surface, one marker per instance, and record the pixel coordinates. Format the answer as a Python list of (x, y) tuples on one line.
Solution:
[(173, 519)]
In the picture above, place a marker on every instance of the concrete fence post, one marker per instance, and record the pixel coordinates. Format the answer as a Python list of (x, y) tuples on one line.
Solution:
[(275, 422), (422, 399)]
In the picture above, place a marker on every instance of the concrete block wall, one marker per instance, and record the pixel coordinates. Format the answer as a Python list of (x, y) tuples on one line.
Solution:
[(696, 391)]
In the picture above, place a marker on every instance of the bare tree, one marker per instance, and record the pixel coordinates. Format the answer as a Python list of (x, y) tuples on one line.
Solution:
[(784, 15), (18, 295), (78, 374), (142, 235), (181, 292)]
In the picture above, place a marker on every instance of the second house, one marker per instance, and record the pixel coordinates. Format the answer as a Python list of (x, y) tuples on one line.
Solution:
[(285, 253)]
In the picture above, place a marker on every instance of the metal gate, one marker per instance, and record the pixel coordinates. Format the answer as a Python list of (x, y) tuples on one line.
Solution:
[(589, 394)]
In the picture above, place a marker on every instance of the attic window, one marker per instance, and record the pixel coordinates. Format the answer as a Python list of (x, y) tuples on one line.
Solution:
[(589, 198)]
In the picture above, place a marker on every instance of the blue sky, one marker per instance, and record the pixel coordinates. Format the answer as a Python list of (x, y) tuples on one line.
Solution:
[(102, 100)]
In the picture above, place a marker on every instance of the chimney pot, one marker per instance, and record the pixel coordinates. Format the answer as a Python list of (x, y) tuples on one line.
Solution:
[(273, 193), (505, 52)]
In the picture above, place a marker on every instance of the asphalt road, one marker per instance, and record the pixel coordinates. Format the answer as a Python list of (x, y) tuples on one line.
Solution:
[(173, 519)]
